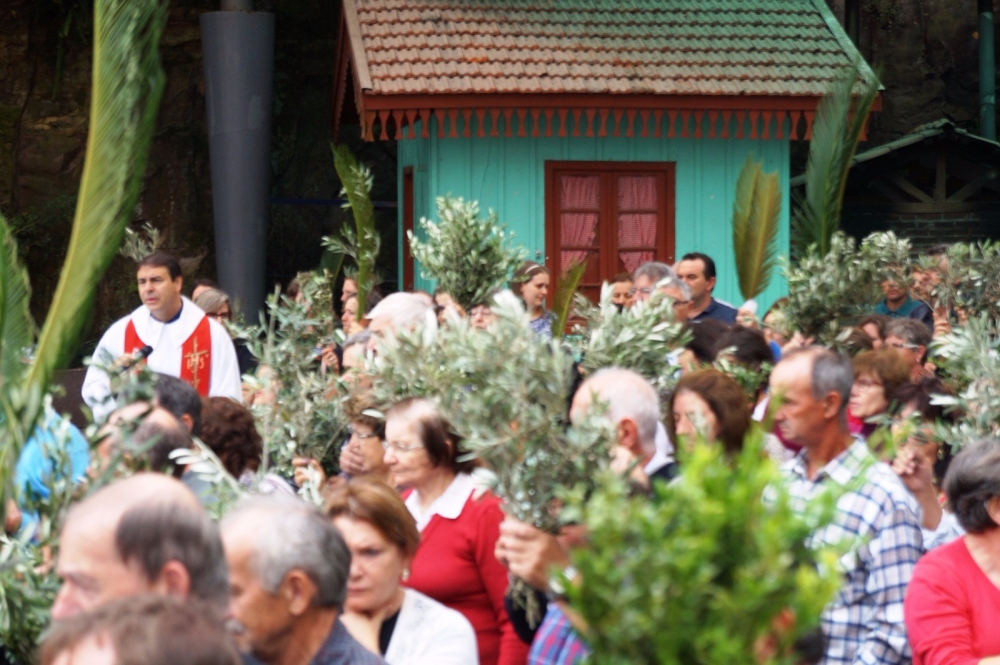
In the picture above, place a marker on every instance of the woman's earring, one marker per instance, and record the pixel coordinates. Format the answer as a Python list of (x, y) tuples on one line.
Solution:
[(406, 574)]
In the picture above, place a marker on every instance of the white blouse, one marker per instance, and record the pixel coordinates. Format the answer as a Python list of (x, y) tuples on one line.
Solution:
[(428, 633)]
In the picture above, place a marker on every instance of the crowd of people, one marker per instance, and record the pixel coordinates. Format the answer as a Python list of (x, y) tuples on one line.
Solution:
[(409, 559)]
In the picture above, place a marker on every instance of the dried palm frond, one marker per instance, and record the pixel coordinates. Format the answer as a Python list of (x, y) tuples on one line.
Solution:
[(755, 227), (568, 283)]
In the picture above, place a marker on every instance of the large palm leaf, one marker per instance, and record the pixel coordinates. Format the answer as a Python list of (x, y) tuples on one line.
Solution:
[(357, 187), (16, 336), (837, 129), (565, 293), (755, 227), (126, 87)]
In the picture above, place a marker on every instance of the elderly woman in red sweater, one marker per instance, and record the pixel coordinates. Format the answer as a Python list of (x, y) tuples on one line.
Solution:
[(953, 600), (455, 564)]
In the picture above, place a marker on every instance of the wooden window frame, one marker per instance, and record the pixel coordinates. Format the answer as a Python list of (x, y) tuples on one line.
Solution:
[(665, 241)]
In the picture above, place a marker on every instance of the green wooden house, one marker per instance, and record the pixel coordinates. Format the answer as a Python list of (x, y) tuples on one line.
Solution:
[(607, 129)]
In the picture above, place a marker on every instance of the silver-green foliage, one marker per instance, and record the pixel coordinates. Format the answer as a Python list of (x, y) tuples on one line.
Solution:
[(969, 279), (968, 355), (507, 392), (699, 573), (826, 292), (468, 256), (298, 419), (640, 338)]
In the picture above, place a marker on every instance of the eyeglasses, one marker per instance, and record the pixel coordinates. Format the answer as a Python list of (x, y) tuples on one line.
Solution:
[(866, 384), (646, 291), (361, 435), (220, 315), (681, 303), (480, 310), (386, 445), (901, 345)]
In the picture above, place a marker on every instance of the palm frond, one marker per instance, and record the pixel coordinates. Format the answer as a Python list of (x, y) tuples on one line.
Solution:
[(566, 289), (755, 227), (16, 335), (126, 87), (356, 180), (836, 131)]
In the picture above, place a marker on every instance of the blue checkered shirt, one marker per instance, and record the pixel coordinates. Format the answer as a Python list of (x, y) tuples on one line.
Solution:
[(864, 623)]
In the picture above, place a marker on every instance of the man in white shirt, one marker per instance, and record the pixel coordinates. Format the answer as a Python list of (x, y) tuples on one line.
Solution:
[(186, 343)]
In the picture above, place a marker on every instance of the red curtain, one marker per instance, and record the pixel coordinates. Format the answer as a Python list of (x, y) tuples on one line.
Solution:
[(637, 208), (582, 196)]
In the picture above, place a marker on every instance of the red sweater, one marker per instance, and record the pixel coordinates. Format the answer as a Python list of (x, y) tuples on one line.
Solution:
[(951, 609), (455, 565)]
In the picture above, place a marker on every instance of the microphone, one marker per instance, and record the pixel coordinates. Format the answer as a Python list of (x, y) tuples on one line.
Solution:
[(137, 356)]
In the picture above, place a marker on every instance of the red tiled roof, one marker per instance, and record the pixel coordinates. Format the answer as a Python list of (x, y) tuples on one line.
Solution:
[(619, 47)]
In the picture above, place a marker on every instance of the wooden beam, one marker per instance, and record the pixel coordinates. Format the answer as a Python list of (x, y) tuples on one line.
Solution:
[(941, 176), (909, 188), (973, 187), (921, 208), (890, 192)]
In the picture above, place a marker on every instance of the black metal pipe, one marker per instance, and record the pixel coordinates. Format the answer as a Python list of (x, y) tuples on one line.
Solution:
[(987, 72)]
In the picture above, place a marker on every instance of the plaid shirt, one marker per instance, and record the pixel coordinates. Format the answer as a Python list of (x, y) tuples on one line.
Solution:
[(556, 643), (864, 622)]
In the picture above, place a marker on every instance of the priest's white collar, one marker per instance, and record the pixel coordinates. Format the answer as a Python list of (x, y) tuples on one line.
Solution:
[(449, 505), (149, 329)]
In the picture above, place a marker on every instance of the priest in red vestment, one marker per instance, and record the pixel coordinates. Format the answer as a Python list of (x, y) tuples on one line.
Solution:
[(186, 343)]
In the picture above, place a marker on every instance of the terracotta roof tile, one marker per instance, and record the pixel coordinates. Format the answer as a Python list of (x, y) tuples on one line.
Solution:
[(708, 47)]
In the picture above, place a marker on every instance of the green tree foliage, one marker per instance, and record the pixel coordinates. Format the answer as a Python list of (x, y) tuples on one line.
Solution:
[(640, 338), (468, 256), (361, 243), (828, 291), (840, 120), (968, 280), (707, 572), (755, 227)]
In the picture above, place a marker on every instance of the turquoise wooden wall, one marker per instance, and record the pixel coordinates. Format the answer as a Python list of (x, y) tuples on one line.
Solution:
[(508, 175)]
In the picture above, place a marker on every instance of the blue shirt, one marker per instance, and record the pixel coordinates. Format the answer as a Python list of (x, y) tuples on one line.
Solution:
[(910, 309), (716, 310), (34, 466), (342, 649)]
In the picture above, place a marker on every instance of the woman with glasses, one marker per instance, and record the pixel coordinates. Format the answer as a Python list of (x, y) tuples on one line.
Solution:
[(216, 305), (361, 454), (455, 564), (922, 459), (877, 375), (402, 625)]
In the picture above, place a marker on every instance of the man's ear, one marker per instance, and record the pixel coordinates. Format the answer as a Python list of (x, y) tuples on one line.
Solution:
[(628, 436), (831, 405), (711, 284), (187, 422), (299, 591), (173, 580), (922, 353), (179, 283)]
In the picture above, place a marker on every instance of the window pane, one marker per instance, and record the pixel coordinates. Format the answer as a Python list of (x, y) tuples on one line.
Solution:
[(592, 274), (577, 229), (632, 260), (580, 192), (637, 192)]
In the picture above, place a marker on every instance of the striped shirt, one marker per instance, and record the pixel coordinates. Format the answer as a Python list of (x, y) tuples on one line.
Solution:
[(864, 622), (556, 643)]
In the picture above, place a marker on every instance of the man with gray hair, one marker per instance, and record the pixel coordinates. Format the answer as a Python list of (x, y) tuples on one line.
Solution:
[(910, 339), (864, 622), (652, 276), (288, 569), (398, 312), (144, 534)]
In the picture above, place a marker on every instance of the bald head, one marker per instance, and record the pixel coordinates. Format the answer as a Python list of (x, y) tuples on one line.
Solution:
[(143, 534), (629, 399)]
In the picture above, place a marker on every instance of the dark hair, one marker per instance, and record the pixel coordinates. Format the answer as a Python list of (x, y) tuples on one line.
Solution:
[(705, 337), (442, 443), (748, 344), (150, 629), (857, 341), (939, 249), (153, 534), (372, 501), (887, 365), (973, 479), (161, 440), (162, 260), (621, 277), (293, 289), (228, 428), (525, 274), (919, 395), (204, 281), (179, 398), (880, 321), (727, 400), (357, 405), (705, 259)]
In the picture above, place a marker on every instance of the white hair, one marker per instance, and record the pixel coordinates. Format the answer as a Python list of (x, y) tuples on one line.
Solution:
[(405, 310), (629, 397), (292, 534)]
